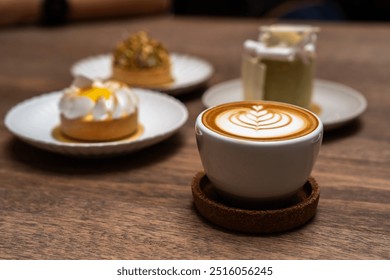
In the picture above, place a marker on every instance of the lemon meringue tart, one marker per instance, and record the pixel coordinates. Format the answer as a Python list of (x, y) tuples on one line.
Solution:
[(94, 110), (141, 61)]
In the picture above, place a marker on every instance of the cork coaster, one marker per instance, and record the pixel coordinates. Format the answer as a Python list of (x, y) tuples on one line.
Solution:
[(294, 213)]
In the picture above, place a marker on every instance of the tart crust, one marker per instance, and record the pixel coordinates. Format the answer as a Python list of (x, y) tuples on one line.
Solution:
[(156, 76), (105, 130)]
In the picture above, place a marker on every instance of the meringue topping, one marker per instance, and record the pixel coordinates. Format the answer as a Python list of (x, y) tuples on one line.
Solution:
[(97, 100)]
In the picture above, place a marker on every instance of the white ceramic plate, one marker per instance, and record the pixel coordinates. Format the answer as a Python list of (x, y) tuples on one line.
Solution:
[(339, 104), (189, 72), (35, 119)]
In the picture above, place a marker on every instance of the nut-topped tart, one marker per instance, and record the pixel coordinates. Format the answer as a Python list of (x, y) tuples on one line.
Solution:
[(140, 60)]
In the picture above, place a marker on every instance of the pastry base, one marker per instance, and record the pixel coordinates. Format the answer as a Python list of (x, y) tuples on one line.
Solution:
[(94, 131), (295, 212), (147, 77)]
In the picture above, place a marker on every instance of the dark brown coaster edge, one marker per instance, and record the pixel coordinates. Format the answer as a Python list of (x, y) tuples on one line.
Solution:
[(255, 221)]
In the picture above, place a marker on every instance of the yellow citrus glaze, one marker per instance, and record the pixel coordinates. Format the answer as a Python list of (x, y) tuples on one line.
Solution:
[(95, 93)]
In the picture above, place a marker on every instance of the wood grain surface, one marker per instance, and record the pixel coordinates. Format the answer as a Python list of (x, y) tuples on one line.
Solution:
[(139, 206)]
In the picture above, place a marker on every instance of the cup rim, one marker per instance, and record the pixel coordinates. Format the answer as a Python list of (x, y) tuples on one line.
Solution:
[(319, 129)]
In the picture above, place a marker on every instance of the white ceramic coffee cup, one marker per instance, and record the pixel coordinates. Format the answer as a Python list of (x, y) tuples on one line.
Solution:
[(253, 169)]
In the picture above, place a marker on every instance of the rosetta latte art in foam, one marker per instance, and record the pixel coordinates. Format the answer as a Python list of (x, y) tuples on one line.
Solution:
[(260, 121), (258, 118)]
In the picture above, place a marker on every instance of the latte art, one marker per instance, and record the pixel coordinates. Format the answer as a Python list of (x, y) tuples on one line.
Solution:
[(260, 121), (258, 118)]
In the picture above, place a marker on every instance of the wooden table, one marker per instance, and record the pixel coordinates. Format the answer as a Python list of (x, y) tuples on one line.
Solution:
[(139, 206)]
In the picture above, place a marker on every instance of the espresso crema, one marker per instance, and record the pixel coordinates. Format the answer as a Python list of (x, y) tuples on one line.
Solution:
[(259, 121)]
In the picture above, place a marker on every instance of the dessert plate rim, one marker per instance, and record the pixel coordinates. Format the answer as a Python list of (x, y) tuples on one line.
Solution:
[(181, 67), (326, 94), (18, 117)]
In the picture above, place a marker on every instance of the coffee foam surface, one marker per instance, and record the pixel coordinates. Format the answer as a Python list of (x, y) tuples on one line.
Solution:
[(259, 121)]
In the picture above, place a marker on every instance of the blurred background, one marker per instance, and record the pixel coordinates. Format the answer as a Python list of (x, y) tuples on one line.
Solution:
[(56, 12), (358, 10)]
